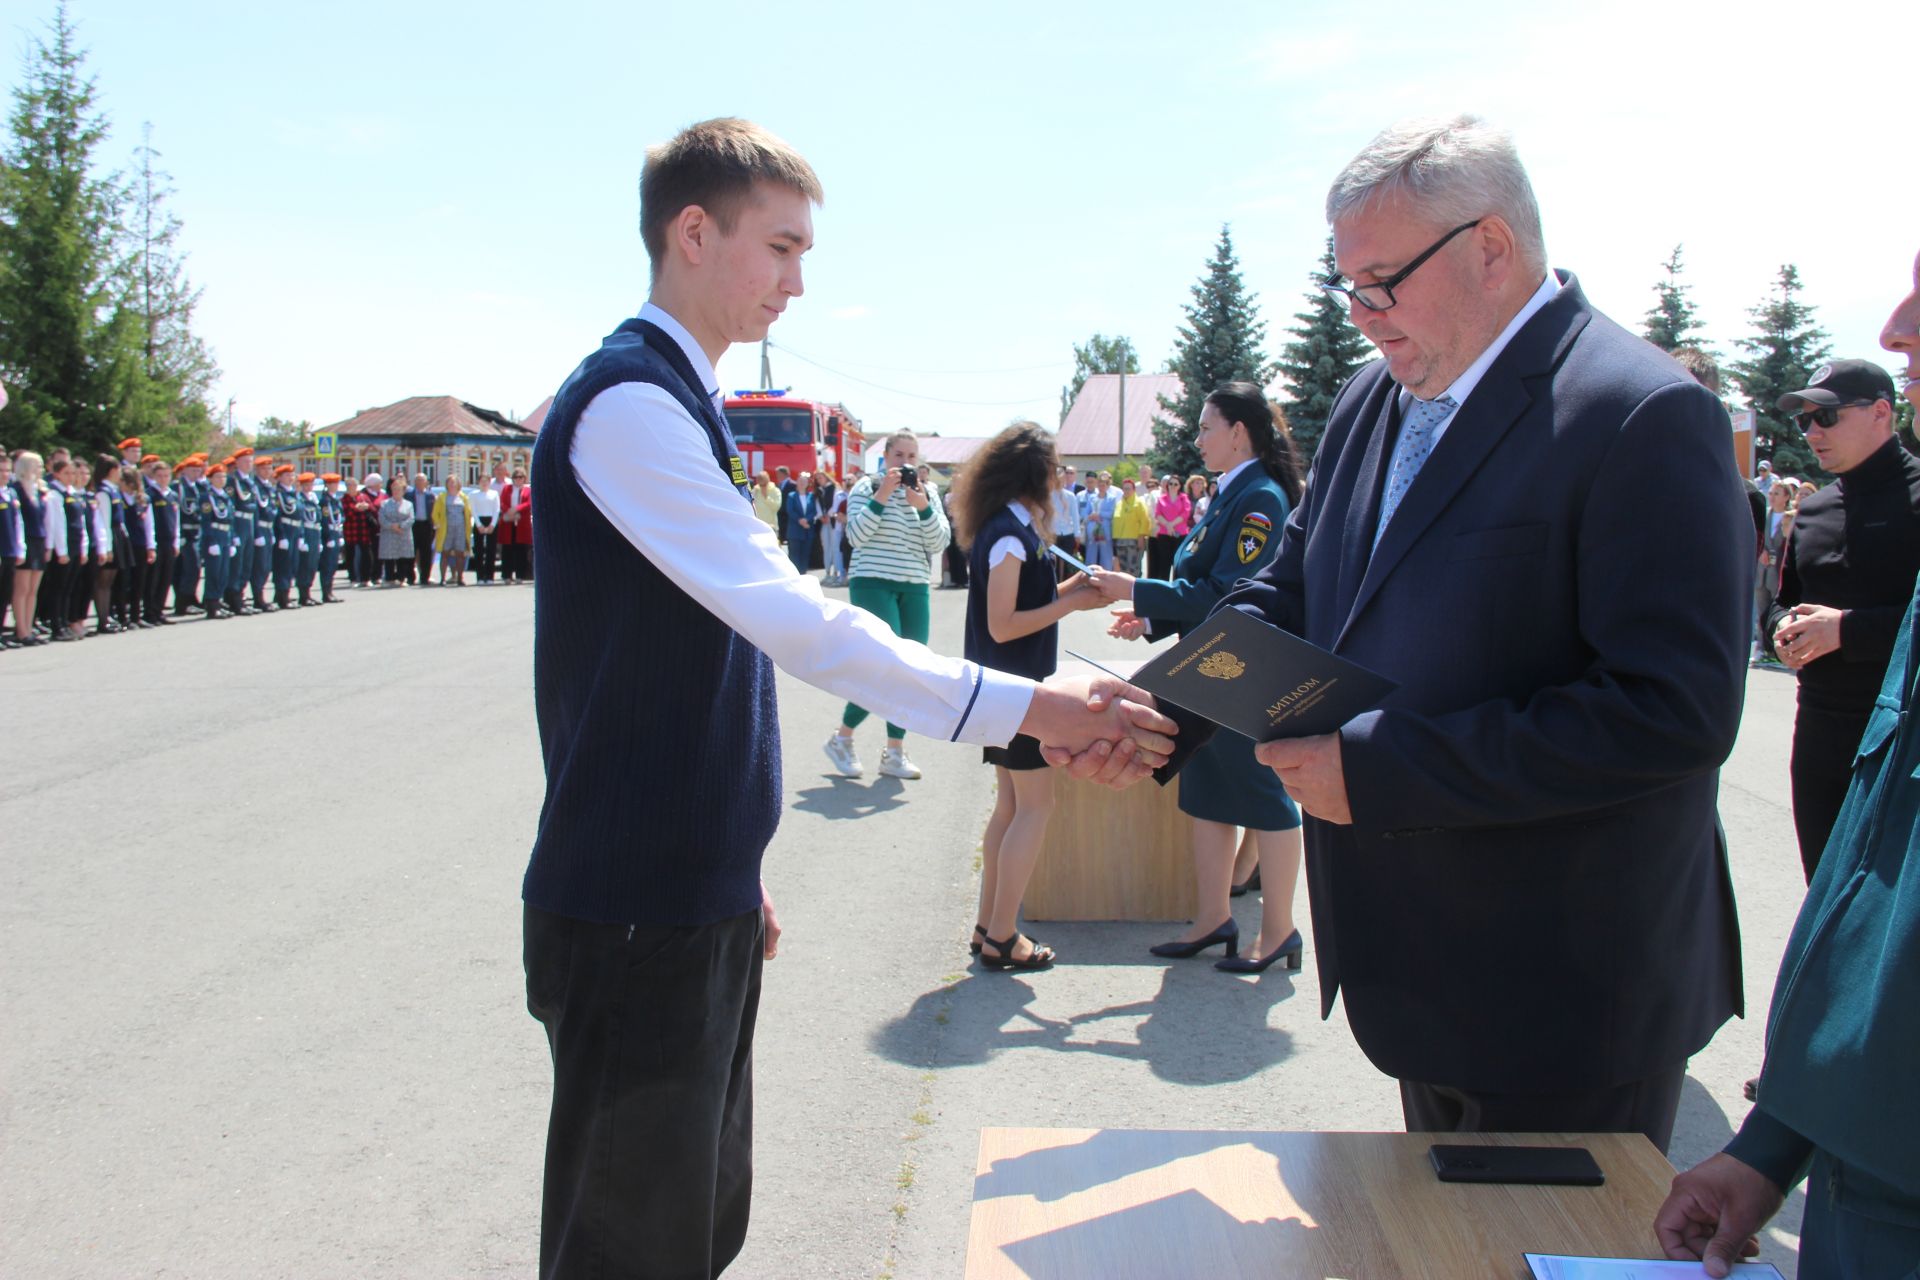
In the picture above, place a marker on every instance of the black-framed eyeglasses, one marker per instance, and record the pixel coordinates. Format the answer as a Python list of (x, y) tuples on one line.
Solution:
[(1378, 296), (1824, 418)]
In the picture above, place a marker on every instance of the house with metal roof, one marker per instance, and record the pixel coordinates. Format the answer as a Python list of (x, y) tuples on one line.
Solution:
[(438, 435), (1096, 434)]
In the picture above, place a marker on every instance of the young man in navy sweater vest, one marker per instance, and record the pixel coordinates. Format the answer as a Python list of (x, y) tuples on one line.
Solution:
[(663, 605)]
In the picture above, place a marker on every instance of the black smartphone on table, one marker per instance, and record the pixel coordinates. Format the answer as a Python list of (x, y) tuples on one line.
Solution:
[(1530, 1166)]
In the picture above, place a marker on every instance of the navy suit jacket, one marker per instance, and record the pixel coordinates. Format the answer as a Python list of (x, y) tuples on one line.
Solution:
[(1533, 895)]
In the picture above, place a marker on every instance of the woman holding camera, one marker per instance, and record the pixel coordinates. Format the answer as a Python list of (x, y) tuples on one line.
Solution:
[(896, 527)]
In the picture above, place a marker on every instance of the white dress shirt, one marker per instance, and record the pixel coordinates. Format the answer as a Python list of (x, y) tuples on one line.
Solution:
[(1010, 545), (1464, 384), (53, 520), (485, 503), (647, 466)]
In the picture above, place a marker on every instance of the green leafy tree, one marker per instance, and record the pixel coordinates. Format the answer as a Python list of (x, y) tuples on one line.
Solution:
[(58, 228), (1782, 355), (1220, 342), (1903, 424), (1101, 355), (1327, 351), (1673, 321), (275, 434)]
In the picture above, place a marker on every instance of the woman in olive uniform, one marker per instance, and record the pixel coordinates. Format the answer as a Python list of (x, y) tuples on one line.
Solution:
[(1245, 441)]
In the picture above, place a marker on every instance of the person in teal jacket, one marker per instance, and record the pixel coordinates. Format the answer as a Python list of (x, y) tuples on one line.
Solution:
[(1245, 441), (1839, 1096)]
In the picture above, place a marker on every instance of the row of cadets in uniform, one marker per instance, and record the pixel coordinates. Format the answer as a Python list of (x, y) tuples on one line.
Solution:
[(244, 531)]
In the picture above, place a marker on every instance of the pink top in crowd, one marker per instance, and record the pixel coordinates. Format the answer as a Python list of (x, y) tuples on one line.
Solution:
[(1171, 514)]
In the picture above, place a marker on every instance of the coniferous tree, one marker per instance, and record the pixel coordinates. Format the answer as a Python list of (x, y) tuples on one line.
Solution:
[(1328, 352), (1782, 356), (95, 310), (175, 373), (1219, 343), (1101, 355), (58, 226), (1673, 320)]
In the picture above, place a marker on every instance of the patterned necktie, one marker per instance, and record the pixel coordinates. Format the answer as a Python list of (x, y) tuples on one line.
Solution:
[(1410, 454)]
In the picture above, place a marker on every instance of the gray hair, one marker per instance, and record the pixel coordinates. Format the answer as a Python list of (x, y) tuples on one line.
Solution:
[(1456, 170)]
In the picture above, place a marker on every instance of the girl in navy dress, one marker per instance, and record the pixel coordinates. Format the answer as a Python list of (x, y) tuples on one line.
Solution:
[(1003, 515)]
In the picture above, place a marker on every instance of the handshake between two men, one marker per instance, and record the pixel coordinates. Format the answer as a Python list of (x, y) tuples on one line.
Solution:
[(1309, 768)]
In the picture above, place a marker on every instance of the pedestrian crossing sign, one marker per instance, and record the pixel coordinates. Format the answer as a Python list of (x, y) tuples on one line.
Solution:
[(326, 444)]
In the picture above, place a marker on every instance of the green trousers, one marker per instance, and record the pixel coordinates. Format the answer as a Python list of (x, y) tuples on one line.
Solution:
[(906, 607)]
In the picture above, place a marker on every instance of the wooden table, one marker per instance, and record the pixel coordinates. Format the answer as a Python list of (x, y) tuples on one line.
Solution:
[(1138, 1204)]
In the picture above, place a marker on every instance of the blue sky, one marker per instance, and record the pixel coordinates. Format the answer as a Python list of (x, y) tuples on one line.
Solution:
[(385, 200)]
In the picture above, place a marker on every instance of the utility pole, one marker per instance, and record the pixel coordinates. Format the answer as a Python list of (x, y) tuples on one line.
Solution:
[(1123, 400), (766, 367), (229, 415)]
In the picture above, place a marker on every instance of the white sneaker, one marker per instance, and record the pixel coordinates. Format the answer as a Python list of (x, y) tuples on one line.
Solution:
[(840, 751), (894, 764)]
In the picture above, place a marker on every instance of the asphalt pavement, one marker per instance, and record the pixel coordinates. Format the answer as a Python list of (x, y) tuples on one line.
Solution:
[(262, 1009)]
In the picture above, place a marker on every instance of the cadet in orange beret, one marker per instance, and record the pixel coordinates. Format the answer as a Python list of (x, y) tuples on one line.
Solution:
[(130, 451), (186, 569), (285, 506), (306, 565), (216, 540), (261, 562), (333, 534), (246, 538)]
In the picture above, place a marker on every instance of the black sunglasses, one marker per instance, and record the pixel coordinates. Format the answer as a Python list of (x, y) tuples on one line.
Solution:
[(1378, 296), (1824, 418)]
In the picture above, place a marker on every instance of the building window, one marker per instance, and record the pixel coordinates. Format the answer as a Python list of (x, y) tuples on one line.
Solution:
[(429, 469), (473, 471)]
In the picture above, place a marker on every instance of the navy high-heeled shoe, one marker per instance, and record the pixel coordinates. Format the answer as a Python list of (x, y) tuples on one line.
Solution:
[(1291, 949), (1250, 885), (1228, 933)]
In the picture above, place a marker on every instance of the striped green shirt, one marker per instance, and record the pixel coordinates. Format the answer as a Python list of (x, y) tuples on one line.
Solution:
[(894, 541)]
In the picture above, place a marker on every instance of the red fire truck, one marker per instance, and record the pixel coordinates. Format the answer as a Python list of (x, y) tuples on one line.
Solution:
[(779, 429)]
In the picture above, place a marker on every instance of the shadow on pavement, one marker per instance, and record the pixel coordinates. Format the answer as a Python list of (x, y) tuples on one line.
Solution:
[(1202, 1027), (840, 798)]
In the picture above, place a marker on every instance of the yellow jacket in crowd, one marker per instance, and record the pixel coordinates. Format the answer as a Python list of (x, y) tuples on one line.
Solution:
[(1130, 518)]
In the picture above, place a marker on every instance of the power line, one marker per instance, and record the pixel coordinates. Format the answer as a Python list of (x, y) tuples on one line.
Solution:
[(913, 395), (887, 368)]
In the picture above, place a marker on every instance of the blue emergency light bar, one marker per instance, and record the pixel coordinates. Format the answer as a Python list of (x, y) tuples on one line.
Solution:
[(761, 395)]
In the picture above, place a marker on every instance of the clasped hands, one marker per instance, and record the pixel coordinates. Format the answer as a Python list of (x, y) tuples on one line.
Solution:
[(1810, 631)]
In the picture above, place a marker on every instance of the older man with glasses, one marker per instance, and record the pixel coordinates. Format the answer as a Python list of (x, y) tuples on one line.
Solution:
[(1846, 577), (1517, 876)]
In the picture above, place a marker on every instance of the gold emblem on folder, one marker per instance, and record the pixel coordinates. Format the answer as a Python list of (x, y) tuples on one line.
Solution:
[(1222, 666)]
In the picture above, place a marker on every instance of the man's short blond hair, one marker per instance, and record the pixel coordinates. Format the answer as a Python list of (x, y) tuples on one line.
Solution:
[(714, 164)]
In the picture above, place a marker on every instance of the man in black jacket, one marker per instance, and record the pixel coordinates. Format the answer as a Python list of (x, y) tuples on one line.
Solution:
[(1847, 577)]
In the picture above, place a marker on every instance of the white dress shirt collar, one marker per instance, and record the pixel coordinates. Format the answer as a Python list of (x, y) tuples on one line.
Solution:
[(1464, 384), (655, 314), (1021, 513), (1227, 477)]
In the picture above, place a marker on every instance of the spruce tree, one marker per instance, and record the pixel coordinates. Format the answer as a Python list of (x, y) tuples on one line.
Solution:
[(58, 226), (1329, 351), (1219, 343), (1782, 356), (1673, 320), (1101, 355)]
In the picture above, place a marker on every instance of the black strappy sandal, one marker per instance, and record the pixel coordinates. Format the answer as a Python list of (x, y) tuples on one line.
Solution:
[(979, 932), (1040, 957)]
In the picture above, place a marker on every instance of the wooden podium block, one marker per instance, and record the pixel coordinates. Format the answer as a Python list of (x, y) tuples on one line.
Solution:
[(1114, 855), (1058, 1204)]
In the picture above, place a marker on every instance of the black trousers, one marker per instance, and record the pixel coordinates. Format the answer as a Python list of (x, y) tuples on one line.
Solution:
[(1071, 545), (649, 1169), (1641, 1106), (159, 577), (516, 561), (423, 549), (1824, 744), (484, 549), (1161, 548)]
